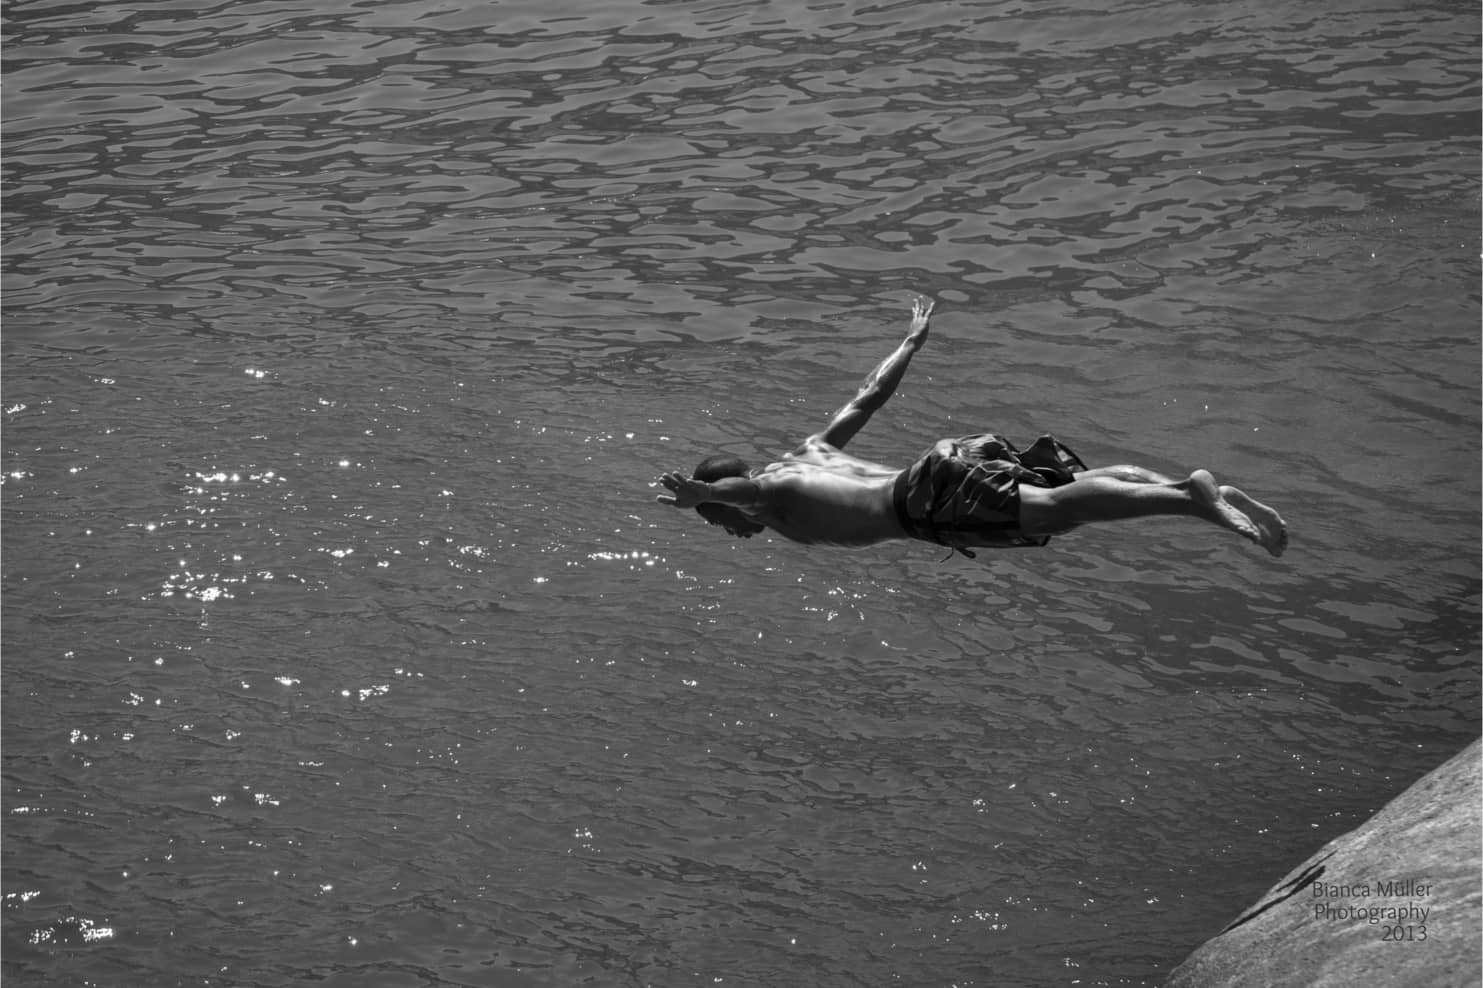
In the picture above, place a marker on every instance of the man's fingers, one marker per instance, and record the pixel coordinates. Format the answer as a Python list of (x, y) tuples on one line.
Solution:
[(921, 310), (676, 483)]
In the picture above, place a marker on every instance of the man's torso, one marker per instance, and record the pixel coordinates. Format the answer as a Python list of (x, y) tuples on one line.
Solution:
[(820, 494)]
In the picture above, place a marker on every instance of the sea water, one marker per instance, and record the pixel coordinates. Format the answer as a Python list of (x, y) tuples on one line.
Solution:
[(344, 641)]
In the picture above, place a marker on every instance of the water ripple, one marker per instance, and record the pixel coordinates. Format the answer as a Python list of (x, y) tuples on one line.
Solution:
[(365, 163)]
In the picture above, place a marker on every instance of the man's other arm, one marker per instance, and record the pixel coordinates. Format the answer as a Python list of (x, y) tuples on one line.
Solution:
[(880, 383)]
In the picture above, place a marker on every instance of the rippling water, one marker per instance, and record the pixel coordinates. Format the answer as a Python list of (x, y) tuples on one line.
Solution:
[(345, 644)]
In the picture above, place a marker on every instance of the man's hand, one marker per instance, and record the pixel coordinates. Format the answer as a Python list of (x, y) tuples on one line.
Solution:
[(687, 493), (921, 311)]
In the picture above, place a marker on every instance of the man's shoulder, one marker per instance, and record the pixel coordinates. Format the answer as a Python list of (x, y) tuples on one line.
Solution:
[(817, 454), (813, 452), (814, 446)]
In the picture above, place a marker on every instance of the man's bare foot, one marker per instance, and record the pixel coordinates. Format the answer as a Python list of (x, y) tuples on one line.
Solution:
[(1231, 509), (1267, 521)]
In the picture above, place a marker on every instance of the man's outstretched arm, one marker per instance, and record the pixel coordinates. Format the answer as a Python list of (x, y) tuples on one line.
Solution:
[(880, 383), (685, 492)]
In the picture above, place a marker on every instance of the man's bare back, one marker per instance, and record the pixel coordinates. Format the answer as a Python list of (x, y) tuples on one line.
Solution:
[(977, 491), (820, 494)]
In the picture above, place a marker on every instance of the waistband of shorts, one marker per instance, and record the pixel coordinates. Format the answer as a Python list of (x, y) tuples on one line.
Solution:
[(900, 489)]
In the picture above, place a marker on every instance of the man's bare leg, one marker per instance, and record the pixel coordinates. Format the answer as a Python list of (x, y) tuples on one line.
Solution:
[(1131, 474), (1101, 497)]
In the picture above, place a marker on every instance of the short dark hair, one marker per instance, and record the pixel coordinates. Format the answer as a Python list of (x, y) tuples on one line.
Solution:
[(720, 465), (714, 468)]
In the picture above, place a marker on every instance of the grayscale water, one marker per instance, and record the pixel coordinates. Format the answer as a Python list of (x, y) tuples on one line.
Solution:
[(344, 642)]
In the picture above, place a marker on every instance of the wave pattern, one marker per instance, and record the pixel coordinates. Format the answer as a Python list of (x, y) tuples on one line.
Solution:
[(367, 165)]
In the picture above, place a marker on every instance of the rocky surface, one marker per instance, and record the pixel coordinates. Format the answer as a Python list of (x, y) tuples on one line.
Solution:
[(1394, 902)]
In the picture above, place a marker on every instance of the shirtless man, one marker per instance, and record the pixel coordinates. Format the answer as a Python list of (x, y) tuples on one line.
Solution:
[(966, 493)]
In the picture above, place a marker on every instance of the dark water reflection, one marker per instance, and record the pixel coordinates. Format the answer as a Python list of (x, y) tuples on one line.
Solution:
[(343, 641)]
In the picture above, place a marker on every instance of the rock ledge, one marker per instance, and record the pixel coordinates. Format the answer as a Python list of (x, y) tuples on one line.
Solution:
[(1394, 902)]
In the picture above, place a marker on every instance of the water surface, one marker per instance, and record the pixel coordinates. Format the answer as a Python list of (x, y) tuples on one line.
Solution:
[(344, 643)]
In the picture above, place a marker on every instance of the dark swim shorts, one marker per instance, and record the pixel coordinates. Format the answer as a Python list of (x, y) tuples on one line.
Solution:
[(966, 492)]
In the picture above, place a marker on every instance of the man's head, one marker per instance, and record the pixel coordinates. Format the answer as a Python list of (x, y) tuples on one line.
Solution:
[(712, 469)]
